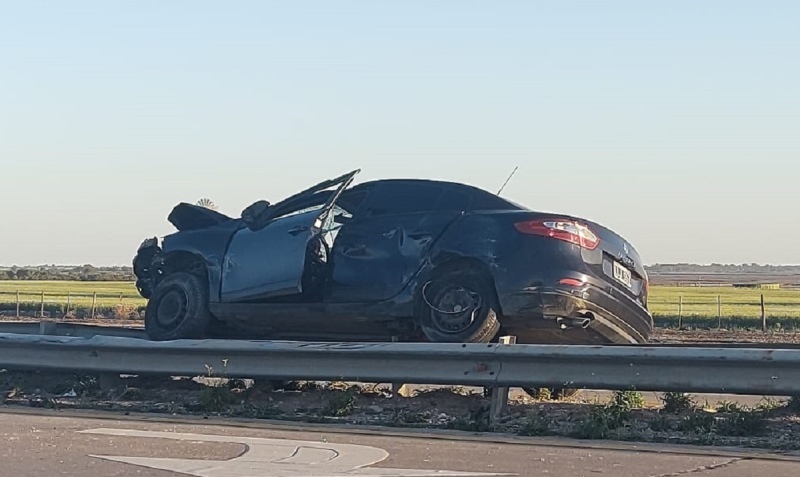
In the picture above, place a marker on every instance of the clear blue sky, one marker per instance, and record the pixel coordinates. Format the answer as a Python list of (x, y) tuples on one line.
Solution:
[(675, 123)]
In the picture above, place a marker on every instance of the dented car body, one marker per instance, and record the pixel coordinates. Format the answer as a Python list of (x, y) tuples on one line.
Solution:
[(394, 259)]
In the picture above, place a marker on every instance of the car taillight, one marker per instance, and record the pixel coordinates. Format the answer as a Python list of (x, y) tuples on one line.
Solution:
[(561, 229)]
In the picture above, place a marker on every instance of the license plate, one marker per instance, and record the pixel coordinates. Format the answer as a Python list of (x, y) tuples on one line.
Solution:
[(622, 274)]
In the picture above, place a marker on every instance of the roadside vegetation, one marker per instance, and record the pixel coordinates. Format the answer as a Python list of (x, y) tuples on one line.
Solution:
[(625, 416)]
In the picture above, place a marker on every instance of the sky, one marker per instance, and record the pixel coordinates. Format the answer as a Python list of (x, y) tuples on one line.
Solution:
[(674, 123)]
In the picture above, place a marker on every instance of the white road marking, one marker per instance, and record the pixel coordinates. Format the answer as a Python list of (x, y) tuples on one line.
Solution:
[(275, 458)]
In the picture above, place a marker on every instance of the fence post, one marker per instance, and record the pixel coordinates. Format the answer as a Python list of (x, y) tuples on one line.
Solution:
[(94, 303), (763, 315), (41, 310), (69, 302), (680, 312), (719, 311), (17, 303)]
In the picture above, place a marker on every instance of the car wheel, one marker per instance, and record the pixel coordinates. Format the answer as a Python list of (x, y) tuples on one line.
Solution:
[(556, 394), (459, 308), (178, 309)]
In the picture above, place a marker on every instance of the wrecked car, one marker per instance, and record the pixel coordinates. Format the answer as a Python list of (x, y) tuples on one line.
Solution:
[(404, 260)]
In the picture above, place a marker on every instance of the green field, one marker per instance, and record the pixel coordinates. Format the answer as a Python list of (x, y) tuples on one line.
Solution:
[(739, 307), (118, 300), (736, 308)]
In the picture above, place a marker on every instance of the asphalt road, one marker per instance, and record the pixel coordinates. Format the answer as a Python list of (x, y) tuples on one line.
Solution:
[(54, 444)]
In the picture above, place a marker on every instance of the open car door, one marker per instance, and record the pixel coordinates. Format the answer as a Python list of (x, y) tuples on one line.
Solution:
[(268, 258)]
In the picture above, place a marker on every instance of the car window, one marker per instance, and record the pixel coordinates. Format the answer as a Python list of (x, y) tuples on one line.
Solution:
[(454, 199), (392, 199)]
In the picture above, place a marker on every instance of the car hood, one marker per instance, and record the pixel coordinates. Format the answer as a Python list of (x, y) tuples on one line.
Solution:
[(192, 217)]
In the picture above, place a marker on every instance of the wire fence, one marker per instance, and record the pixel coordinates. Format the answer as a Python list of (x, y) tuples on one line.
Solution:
[(750, 310), (78, 305), (671, 307)]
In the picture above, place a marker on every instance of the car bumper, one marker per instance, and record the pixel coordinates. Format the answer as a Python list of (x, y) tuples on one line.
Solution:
[(614, 317)]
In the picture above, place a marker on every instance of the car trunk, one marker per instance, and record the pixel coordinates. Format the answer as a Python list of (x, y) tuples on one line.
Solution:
[(619, 262)]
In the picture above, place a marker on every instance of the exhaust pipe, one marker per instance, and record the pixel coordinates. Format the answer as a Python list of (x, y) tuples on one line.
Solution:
[(582, 321)]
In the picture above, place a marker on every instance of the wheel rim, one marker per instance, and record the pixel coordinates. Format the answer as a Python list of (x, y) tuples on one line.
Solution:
[(454, 308), (172, 308)]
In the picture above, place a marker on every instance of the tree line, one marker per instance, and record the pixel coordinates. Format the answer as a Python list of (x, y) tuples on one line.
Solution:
[(83, 273)]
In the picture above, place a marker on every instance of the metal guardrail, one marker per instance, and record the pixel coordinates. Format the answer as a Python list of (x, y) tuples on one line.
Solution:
[(69, 329), (87, 330), (645, 368)]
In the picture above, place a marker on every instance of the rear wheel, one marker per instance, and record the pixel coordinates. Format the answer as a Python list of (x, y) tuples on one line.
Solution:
[(459, 307), (555, 393), (178, 308)]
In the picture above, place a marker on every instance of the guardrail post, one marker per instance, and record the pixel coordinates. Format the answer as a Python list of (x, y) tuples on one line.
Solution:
[(399, 389), (17, 303), (41, 310), (47, 328), (680, 312), (69, 299), (763, 315), (499, 403), (94, 303)]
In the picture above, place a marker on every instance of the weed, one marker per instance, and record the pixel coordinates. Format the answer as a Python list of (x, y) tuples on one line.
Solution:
[(540, 394), (215, 399), (628, 400), (602, 421), (660, 423), (216, 396), (728, 407), (341, 404), (477, 421), (736, 422), (535, 426), (743, 424), (677, 402), (767, 405), (699, 422)]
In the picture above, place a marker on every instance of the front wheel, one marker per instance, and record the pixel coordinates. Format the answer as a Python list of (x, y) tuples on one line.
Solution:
[(178, 309), (459, 307)]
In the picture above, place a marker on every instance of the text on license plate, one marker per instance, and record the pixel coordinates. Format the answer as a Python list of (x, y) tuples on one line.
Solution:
[(622, 274)]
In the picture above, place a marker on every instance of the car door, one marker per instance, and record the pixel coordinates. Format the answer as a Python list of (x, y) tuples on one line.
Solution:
[(269, 260), (377, 253)]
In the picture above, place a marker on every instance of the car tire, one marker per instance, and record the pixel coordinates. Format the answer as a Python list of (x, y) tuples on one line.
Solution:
[(442, 323), (556, 394), (178, 308)]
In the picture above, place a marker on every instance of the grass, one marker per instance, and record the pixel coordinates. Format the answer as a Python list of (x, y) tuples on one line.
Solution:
[(741, 308), (56, 292), (677, 402)]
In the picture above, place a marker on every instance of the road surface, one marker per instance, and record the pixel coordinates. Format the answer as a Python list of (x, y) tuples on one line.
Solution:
[(52, 443)]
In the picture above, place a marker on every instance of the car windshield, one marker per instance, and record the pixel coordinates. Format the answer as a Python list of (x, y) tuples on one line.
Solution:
[(313, 196)]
